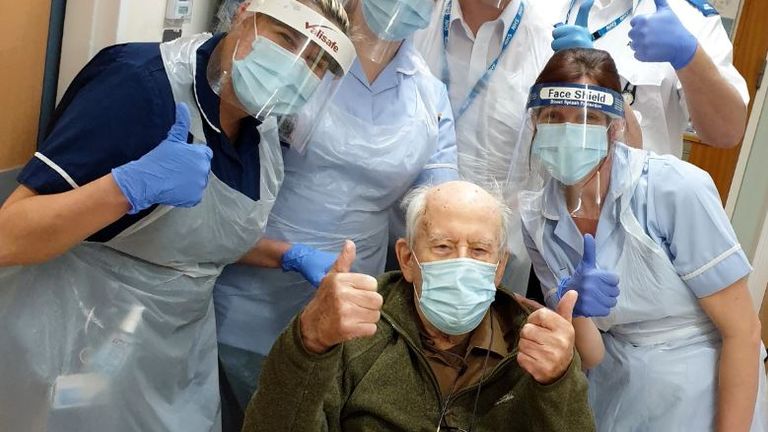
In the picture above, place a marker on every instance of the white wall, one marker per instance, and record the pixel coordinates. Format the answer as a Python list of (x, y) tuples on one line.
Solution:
[(91, 25)]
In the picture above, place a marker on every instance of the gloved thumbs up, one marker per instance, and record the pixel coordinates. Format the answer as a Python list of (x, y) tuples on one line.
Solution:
[(661, 37), (588, 259), (582, 18), (598, 289), (574, 35)]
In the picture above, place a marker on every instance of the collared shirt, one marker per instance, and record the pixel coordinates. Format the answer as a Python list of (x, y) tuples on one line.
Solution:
[(675, 203), (488, 132), (455, 371), (659, 100), (117, 109), (393, 97)]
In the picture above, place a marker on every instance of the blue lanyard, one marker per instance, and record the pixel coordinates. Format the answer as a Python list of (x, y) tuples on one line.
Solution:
[(610, 26), (482, 83)]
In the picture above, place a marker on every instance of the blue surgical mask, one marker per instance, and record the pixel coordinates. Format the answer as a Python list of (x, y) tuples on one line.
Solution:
[(570, 151), (271, 77), (456, 293), (395, 20)]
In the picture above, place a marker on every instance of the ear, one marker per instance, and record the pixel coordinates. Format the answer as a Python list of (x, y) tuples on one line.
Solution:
[(501, 268), (405, 258), (240, 12)]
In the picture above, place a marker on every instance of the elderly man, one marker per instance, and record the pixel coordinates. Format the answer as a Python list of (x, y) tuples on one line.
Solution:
[(433, 346)]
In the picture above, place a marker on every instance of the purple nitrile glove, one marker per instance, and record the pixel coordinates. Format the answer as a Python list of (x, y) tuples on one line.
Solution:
[(598, 289), (312, 263), (174, 173), (661, 37)]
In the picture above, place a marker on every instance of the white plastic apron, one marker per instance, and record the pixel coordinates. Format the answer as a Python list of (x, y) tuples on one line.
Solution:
[(120, 336), (352, 173), (660, 367)]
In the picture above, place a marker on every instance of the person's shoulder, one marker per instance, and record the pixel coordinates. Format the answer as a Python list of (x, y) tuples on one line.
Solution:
[(130, 58), (670, 174), (695, 8)]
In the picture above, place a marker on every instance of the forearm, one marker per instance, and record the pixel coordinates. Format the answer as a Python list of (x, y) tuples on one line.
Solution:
[(266, 253), (36, 228), (589, 343), (717, 111), (738, 379), (633, 135)]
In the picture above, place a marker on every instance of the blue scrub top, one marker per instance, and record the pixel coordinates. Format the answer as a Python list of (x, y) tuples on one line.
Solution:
[(393, 97), (118, 108), (679, 208)]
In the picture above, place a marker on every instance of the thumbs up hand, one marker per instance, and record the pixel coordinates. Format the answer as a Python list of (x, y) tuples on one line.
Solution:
[(661, 37), (346, 306), (545, 347), (598, 289), (575, 35)]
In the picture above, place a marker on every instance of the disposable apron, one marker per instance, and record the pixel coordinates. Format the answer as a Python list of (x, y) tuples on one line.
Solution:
[(120, 336), (660, 367), (342, 188)]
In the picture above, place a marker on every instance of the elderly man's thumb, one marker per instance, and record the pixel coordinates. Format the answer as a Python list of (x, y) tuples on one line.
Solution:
[(347, 256), (566, 305)]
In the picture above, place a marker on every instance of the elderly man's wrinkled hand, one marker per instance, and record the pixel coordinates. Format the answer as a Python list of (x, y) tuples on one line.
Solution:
[(345, 307), (545, 349)]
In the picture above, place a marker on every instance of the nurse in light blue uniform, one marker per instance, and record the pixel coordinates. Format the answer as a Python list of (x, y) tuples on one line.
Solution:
[(679, 348), (390, 128)]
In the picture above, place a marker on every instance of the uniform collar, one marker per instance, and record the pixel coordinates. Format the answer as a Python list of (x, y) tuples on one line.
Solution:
[(404, 63), (553, 205), (506, 17)]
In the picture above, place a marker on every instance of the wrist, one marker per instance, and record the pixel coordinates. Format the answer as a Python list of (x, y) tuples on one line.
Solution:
[(688, 53), (291, 257), (124, 182), (309, 337)]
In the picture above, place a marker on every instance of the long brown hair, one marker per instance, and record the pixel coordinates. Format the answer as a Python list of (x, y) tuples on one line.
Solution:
[(571, 65)]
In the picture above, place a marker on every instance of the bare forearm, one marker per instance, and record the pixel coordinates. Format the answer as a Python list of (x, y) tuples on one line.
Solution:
[(267, 253), (718, 112), (633, 135), (589, 343), (36, 228), (738, 378)]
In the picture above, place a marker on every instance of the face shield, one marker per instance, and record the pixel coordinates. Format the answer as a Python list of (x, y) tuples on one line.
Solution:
[(279, 57), (383, 24), (573, 128)]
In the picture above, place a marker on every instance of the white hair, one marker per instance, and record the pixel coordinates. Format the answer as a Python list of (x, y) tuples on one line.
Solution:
[(415, 205)]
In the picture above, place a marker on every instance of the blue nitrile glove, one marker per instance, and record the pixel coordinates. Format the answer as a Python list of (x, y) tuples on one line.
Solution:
[(661, 37), (174, 173), (574, 35), (598, 289), (313, 264)]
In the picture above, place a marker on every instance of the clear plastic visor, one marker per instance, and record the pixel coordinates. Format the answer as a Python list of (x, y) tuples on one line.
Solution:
[(382, 25), (279, 57)]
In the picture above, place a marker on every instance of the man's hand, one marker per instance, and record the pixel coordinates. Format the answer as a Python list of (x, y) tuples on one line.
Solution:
[(345, 307), (545, 349)]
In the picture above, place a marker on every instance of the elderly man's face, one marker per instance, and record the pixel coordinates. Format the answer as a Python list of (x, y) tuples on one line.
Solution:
[(460, 221)]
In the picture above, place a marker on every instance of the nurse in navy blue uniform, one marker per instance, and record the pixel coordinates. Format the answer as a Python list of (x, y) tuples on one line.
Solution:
[(160, 168)]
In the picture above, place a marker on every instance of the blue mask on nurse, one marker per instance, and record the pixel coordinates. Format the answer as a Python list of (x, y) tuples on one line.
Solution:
[(395, 20)]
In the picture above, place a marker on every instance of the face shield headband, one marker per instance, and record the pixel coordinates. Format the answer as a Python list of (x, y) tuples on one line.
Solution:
[(587, 96)]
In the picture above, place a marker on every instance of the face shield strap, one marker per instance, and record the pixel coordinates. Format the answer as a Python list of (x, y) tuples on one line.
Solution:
[(316, 27), (585, 96)]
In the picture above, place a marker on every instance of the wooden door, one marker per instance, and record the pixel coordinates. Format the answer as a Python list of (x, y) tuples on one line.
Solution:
[(750, 46), (22, 62)]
